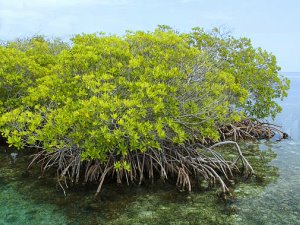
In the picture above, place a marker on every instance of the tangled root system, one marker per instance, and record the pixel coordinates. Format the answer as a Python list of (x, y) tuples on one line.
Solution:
[(183, 163), (250, 129)]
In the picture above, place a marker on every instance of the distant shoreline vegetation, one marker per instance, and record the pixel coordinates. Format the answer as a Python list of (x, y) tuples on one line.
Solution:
[(145, 105)]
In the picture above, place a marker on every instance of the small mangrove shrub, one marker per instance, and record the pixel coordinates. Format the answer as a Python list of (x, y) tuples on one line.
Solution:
[(137, 106)]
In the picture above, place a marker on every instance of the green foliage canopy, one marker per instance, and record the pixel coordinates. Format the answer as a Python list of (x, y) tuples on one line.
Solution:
[(254, 69), (105, 94)]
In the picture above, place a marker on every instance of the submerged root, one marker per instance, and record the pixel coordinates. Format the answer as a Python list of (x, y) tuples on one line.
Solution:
[(250, 129), (183, 163)]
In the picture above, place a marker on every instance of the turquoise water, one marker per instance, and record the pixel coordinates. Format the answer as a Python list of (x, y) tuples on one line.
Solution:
[(272, 197), (279, 202)]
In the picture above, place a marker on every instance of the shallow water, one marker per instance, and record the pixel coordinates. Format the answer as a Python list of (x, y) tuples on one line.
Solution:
[(272, 197)]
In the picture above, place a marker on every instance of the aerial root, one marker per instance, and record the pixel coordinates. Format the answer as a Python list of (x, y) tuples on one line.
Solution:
[(183, 163), (250, 129)]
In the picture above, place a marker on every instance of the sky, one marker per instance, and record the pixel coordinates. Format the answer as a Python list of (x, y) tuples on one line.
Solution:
[(273, 25)]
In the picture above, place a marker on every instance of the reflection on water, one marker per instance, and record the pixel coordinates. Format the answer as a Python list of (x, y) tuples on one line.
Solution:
[(279, 203), (271, 197)]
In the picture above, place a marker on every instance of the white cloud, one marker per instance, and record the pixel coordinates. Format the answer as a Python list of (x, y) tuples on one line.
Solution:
[(25, 17), (9, 14), (57, 3)]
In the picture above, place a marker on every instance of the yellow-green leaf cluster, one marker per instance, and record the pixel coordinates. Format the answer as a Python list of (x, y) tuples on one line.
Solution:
[(105, 94)]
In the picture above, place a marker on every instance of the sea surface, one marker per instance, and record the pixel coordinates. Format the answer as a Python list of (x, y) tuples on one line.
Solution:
[(271, 197)]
